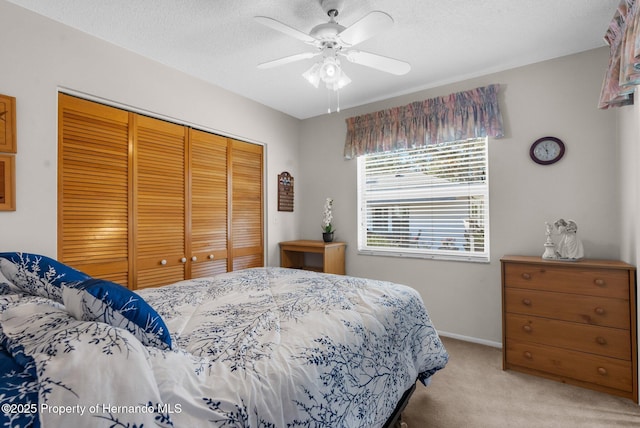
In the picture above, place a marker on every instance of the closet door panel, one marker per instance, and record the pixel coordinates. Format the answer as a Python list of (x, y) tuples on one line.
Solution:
[(144, 202), (209, 206), (159, 202), (93, 188), (246, 205)]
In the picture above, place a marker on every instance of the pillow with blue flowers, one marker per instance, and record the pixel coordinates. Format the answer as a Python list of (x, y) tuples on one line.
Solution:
[(39, 275), (113, 304)]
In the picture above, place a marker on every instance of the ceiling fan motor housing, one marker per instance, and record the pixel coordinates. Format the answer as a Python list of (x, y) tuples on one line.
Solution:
[(327, 32)]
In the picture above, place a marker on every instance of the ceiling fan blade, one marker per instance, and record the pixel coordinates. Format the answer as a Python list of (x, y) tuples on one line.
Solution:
[(366, 27), (284, 28), (378, 62), (287, 59)]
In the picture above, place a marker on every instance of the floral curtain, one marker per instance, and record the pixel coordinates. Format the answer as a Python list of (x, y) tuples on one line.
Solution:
[(459, 116), (623, 73)]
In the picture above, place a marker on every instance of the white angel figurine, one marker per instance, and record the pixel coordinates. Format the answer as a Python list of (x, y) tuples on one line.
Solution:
[(569, 246)]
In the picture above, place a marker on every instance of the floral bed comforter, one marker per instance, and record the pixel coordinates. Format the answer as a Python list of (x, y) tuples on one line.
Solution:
[(267, 347)]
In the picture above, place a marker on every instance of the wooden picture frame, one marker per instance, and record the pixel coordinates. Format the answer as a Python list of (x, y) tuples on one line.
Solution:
[(7, 183), (7, 124), (285, 192)]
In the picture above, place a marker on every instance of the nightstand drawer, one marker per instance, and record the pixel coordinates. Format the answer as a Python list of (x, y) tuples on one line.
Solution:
[(569, 307), (605, 341), (574, 280), (608, 372)]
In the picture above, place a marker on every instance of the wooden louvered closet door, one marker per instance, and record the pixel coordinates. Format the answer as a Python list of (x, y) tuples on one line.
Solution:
[(209, 207), (246, 206), (144, 202), (159, 202), (93, 188)]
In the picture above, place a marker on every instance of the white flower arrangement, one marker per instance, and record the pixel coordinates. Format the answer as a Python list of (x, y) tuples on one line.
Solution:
[(327, 227)]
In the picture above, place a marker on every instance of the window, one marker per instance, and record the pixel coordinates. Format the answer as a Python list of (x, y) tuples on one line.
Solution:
[(431, 202)]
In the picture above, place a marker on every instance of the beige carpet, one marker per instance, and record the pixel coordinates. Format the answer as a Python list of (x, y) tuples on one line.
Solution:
[(474, 391)]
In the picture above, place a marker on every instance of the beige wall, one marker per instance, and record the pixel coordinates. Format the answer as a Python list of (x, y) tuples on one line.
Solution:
[(556, 98), (40, 56)]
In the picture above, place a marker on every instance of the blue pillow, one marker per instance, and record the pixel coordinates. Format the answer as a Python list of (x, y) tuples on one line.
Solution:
[(113, 304), (39, 275)]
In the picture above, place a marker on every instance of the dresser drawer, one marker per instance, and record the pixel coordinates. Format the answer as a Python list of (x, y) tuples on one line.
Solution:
[(568, 307), (574, 280), (608, 372), (606, 341)]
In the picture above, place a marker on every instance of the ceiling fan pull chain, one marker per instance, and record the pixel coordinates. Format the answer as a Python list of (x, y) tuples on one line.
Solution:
[(337, 91)]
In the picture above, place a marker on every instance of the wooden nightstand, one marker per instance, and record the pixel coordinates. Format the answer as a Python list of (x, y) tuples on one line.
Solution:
[(574, 322), (292, 255)]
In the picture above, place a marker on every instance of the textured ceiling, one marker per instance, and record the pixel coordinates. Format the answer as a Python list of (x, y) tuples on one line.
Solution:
[(443, 40)]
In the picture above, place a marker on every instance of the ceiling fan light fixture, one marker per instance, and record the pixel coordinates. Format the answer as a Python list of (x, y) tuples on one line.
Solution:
[(329, 72), (330, 69), (339, 83), (312, 75)]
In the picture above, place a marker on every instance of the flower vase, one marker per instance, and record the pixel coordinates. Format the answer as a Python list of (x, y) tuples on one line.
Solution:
[(327, 236)]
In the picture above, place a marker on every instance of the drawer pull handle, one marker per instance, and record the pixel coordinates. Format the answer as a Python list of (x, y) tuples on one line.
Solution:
[(600, 282), (526, 275), (527, 328), (183, 260), (601, 340), (194, 258), (526, 302), (602, 371), (528, 355), (210, 256), (599, 311), (163, 262)]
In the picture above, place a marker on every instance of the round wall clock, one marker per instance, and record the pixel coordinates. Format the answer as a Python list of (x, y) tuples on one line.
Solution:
[(547, 150)]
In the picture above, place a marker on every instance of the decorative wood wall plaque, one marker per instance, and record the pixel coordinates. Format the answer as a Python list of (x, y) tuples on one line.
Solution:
[(7, 183), (285, 192), (7, 124)]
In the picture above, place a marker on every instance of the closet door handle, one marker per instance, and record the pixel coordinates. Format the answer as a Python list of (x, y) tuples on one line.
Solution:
[(194, 258), (183, 260), (163, 262)]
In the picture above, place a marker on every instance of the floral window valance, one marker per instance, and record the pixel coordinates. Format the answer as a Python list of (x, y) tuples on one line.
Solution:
[(459, 116), (623, 73)]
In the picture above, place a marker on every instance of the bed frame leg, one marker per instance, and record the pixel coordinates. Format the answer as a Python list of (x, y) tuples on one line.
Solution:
[(401, 424)]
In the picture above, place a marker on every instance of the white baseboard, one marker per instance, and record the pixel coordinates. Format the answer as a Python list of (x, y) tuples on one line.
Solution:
[(471, 339)]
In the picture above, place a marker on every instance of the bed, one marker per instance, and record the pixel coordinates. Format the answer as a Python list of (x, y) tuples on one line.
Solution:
[(263, 347)]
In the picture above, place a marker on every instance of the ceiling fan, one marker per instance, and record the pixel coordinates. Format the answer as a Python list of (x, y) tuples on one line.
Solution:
[(332, 41)]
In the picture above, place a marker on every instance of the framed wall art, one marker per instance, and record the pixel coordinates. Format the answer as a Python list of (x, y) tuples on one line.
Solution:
[(285, 192), (7, 183), (7, 124)]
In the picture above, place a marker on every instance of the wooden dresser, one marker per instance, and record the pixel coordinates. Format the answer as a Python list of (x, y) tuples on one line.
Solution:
[(573, 322)]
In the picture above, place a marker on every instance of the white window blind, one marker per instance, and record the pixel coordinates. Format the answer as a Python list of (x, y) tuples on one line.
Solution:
[(428, 202)]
